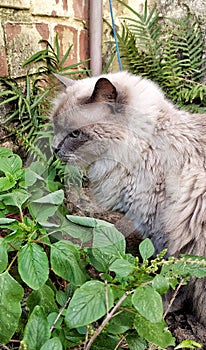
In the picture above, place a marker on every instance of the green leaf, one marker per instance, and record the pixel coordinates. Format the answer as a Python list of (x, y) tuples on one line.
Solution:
[(11, 165), (44, 297), (109, 240), (105, 341), (16, 198), (65, 262), (11, 294), (33, 265), (6, 183), (160, 284), (154, 332), (135, 342), (52, 344), (188, 344), (37, 331), (82, 233), (54, 198), (121, 267), (148, 303), (120, 323), (146, 249), (3, 257), (99, 260), (41, 213), (6, 221), (83, 221), (88, 304), (5, 152)]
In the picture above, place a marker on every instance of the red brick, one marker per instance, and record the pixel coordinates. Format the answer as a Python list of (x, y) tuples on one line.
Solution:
[(43, 30), (84, 45), (67, 36), (12, 30), (81, 9)]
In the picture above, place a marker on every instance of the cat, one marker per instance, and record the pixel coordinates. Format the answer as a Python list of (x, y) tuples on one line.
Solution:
[(145, 158)]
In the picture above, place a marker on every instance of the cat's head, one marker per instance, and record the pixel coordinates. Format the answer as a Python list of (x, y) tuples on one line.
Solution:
[(88, 120)]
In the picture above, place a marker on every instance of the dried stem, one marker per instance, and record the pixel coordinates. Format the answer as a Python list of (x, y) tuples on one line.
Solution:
[(107, 319), (173, 297)]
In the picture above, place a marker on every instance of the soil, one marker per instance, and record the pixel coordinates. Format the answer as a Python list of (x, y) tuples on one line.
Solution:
[(182, 324)]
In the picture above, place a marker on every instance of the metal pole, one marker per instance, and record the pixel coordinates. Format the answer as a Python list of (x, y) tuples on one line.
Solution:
[(95, 37)]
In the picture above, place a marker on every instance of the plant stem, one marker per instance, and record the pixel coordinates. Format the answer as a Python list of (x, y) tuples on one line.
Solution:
[(107, 319), (173, 297), (59, 314)]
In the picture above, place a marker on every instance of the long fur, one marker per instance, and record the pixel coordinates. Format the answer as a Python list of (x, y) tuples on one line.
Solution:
[(145, 157)]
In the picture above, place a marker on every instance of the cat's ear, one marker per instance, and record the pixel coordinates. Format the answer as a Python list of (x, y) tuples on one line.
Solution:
[(64, 80), (104, 91)]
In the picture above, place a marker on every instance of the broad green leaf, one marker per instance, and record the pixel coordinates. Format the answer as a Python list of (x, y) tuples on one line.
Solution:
[(65, 262), (84, 234), (135, 342), (52, 344), (3, 257), (54, 198), (44, 297), (83, 221), (5, 152), (121, 267), (106, 342), (11, 294), (156, 333), (109, 240), (88, 304), (6, 221), (88, 222), (160, 284), (120, 323), (6, 183), (146, 249), (29, 178), (33, 265), (99, 260), (148, 303), (11, 165), (16, 198), (41, 212), (36, 332)]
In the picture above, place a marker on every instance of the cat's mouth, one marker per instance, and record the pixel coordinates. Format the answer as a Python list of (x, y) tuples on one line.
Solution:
[(66, 158)]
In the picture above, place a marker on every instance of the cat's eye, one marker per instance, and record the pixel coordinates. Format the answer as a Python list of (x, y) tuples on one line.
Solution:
[(75, 133)]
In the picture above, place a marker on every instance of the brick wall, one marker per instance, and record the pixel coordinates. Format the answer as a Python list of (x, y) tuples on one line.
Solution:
[(25, 22)]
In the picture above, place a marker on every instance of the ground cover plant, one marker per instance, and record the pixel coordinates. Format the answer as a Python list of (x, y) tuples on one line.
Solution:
[(50, 298)]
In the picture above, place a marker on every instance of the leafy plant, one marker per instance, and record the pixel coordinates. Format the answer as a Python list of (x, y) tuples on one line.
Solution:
[(30, 102), (170, 52), (53, 60), (85, 290)]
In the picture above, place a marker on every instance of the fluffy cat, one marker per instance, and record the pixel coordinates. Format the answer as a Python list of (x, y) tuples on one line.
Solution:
[(145, 158)]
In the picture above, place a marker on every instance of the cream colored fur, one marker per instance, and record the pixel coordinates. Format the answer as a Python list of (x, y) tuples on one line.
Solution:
[(145, 157)]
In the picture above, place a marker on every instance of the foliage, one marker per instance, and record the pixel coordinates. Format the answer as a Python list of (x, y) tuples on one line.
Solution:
[(53, 60), (30, 101), (169, 51), (49, 297)]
